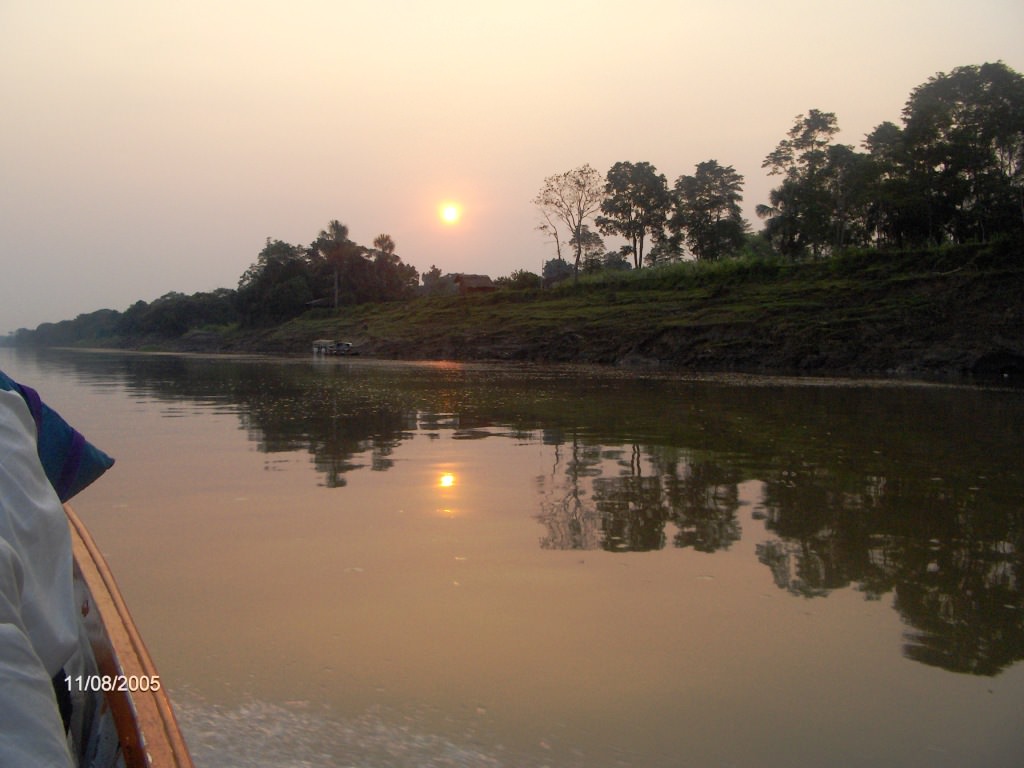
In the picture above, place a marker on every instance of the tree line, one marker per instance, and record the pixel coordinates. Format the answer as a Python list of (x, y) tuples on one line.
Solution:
[(284, 282), (332, 271), (952, 173)]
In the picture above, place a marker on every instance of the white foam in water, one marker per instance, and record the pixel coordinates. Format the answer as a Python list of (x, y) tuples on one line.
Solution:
[(257, 734)]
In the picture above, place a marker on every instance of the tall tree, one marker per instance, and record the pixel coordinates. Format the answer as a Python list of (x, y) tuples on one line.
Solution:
[(706, 211), (635, 206), (964, 140), (275, 288), (336, 252), (391, 278), (570, 199), (384, 243), (895, 214), (802, 214), (847, 180)]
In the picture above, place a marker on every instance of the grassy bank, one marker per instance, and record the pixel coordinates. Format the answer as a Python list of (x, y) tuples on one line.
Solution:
[(950, 310)]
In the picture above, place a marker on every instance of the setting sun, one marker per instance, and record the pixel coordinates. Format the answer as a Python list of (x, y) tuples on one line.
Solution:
[(447, 480), (450, 212)]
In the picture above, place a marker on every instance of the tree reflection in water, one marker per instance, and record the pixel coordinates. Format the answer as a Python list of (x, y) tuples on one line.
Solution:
[(631, 510), (913, 491)]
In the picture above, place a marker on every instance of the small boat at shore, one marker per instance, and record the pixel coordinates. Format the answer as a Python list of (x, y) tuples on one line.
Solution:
[(121, 715), (332, 347)]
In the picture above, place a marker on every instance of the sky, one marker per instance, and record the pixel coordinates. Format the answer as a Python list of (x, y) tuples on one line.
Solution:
[(150, 147)]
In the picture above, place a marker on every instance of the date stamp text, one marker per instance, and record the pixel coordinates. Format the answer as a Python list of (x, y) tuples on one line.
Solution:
[(110, 683)]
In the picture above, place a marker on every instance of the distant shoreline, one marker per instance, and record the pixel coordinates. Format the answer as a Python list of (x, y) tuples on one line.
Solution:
[(936, 313)]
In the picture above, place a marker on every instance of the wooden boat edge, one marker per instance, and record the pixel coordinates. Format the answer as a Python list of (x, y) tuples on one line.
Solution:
[(148, 730)]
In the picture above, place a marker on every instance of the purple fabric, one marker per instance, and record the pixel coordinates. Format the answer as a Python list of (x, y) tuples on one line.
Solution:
[(70, 461)]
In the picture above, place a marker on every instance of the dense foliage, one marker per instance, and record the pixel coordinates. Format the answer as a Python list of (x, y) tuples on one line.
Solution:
[(953, 173), (284, 282), (286, 279), (169, 316)]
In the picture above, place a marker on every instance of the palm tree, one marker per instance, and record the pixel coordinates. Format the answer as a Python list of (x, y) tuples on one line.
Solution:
[(331, 244), (384, 243), (336, 232)]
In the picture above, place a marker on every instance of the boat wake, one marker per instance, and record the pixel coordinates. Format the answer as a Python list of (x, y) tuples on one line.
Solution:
[(258, 734)]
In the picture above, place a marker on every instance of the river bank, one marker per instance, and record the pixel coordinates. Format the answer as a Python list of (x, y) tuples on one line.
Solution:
[(944, 312), (949, 312)]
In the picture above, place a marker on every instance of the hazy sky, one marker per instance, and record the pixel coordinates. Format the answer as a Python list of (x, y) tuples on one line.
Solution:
[(151, 147)]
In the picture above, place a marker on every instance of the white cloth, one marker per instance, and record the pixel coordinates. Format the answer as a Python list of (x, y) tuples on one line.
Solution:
[(38, 628)]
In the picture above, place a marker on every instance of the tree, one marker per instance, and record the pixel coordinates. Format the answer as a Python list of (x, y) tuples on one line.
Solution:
[(354, 274), (520, 280), (635, 205), (384, 243), (334, 250), (955, 170), (277, 287), (335, 233), (591, 247), (803, 210), (706, 211), (894, 213), (666, 250), (846, 179), (392, 279), (618, 261), (570, 199), (964, 142), (432, 279), (556, 270)]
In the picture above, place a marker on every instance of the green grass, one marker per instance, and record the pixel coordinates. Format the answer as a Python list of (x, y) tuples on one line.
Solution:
[(866, 307)]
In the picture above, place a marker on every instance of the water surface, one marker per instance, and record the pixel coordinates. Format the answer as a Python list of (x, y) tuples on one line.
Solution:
[(358, 563)]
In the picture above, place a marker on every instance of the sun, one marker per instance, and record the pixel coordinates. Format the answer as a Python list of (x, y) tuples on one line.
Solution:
[(450, 212)]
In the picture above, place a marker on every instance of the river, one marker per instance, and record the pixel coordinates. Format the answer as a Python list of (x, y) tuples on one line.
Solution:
[(350, 562)]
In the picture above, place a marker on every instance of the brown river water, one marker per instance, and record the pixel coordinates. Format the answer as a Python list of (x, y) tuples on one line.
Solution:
[(362, 563)]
